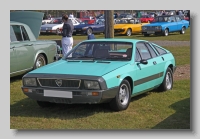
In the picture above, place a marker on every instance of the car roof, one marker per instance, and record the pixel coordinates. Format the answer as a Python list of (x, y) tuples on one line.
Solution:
[(116, 40)]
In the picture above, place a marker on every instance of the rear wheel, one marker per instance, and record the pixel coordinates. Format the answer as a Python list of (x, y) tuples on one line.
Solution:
[(89, 31), (167, 83), (182, 30), (122, 99)]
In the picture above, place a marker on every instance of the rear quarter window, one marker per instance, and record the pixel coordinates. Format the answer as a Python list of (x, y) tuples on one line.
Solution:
[(159, 50)]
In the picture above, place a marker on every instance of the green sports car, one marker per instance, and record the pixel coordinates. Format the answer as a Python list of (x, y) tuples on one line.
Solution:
[(102, 71)]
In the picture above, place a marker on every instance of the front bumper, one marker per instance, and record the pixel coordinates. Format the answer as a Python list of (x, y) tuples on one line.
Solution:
[(75, 97)]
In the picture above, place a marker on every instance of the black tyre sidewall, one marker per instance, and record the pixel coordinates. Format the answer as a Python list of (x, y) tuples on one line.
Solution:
[(115, 104), (163, 86)]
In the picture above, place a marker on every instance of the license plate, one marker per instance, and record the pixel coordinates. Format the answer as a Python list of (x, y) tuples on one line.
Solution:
[(43, 31), (61, 94), (150, 32), (74, 30)]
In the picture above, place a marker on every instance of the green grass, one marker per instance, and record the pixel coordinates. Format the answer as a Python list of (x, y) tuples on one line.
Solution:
[(152, 110), (181, 54), (176, 36)]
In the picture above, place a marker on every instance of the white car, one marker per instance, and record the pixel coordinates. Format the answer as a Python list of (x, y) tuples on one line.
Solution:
[(55, 26), (47, 21)]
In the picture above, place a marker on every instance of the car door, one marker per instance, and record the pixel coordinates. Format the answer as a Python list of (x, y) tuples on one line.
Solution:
[(179, 23), (21, 50), (172, 24), (147, 72)]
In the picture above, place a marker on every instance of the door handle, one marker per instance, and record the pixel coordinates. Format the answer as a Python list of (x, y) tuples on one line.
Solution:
[(154, 63)]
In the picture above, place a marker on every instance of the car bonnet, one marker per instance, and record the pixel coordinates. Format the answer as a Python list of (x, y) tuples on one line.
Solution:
[(30, 18), (80, 67)]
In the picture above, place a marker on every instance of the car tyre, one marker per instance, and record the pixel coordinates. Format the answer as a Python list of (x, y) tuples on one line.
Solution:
[(146, 35), (40, 61), (58, 32), (129, 32), (122, 98), (166, 32), (182, 30), (89, 31), (167, 83), (45, 104)]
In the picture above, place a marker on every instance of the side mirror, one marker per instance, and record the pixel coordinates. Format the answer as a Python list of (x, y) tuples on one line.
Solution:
[(144, 61)]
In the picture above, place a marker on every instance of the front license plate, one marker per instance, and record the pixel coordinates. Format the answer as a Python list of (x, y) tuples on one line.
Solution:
[(61, 94), (74, 30), (43, 31), (150, 32)]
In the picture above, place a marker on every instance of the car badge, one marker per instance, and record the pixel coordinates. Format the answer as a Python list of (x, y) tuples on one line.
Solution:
[(58, 82)]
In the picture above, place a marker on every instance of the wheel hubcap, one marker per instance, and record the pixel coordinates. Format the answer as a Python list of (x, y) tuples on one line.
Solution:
[(168, 81), (128, 33), (166, 32), (123, 94), (40, 62)]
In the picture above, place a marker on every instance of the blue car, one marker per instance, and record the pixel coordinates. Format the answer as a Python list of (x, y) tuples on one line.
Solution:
[(97, 27), (102, 71), (163, 25)]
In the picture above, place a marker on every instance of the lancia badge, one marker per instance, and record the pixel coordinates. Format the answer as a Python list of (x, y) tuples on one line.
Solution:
[(58, 82)]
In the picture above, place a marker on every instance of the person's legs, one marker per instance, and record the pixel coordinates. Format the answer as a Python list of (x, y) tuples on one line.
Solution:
[(67, 43)]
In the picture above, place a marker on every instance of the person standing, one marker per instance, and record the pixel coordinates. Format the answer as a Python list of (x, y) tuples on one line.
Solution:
[(67, 31)]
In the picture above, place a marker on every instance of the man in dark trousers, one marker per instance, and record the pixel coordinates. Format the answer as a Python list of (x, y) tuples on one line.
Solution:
[(67, 31)]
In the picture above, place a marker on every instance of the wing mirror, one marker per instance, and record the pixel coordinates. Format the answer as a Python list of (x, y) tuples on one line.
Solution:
[(144, 61)]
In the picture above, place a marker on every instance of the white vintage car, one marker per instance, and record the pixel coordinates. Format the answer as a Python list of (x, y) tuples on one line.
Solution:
[(47, 21), (55, 26)]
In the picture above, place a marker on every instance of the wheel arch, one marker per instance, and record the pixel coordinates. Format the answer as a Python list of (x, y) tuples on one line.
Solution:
[(129, 79), (42, 53)]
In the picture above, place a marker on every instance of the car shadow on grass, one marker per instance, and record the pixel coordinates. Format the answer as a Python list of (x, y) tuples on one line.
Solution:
[(29, 108), (180, 119)]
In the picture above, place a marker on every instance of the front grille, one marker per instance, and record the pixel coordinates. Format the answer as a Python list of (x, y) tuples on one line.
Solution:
[(61, 83)]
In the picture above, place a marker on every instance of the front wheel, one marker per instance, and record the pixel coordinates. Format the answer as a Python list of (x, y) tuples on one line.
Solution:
[(129, 32), (122, 99), (166, 32), (58, 32), (167, 83), (40, 61)]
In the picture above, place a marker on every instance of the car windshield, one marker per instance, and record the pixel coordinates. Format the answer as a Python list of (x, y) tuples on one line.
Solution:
[(127, 21), (162, 19), (56, 21), (101, 50)]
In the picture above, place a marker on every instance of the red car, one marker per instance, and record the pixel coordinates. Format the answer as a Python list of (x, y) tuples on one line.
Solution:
[(87, 20), (146, 19)]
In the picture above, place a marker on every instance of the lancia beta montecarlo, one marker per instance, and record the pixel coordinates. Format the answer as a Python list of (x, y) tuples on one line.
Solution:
[(102, 71)]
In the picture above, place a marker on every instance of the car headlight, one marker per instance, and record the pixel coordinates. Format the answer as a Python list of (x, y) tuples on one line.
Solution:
[(84, 28), (29, 82), (91, 85), (144, 28), (158, 27)]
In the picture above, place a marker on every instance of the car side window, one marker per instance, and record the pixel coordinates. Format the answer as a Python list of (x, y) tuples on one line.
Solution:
[(153, 53), (178, 18), (143, 50), (17, 31), (137, 56), (12, 35), (172, 19)]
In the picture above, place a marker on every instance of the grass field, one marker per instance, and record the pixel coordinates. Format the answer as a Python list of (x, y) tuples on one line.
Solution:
[(153, 110), (172, 37)]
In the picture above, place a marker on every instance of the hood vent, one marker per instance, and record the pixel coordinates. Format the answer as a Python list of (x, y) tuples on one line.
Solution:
[(103, 62)]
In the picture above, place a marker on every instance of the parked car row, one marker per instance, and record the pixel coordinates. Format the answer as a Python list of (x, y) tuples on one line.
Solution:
[(160, 25)]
